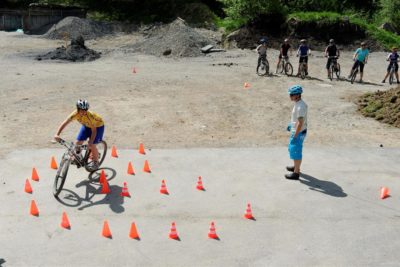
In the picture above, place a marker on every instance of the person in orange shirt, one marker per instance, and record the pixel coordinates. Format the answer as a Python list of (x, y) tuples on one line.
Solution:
[(92, 129)]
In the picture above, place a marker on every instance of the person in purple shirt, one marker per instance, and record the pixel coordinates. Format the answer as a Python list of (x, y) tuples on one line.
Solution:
[(393, 58), (303, 53)]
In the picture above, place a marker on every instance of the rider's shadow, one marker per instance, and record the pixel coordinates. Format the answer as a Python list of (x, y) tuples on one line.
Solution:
[(113, 199), (325, 187)]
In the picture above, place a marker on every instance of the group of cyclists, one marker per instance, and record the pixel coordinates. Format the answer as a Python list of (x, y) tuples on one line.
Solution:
[(332, 53)]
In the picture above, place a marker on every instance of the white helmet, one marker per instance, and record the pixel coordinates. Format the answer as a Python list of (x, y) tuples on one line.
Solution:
[(82, 104)]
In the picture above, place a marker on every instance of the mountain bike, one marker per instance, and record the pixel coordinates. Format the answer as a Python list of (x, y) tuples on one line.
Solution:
[(263, 66), (392, 73), (303, 69), (334, 68), (71, 156), (285, 66)]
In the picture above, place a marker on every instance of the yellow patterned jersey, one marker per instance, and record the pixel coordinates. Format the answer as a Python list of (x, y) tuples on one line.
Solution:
[(90, 120)]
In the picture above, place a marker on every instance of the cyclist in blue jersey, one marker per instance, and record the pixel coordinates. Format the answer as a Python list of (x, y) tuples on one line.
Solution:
[(393, 59), (360, 59), (303, 53)]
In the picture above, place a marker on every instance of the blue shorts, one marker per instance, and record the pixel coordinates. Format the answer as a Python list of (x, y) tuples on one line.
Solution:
[(296, 146), (86, 133)]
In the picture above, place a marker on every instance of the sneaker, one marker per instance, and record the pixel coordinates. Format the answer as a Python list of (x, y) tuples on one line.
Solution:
[(360, 81), (383, 81), (94, 166), (398, 82), (292, 176), (290, 168)]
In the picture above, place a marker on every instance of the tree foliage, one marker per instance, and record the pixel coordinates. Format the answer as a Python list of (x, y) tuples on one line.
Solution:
[(390, 12)]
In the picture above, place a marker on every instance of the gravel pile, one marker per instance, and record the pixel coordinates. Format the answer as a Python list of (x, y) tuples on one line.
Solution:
[(76, 51), (176, 39), (72, 27)]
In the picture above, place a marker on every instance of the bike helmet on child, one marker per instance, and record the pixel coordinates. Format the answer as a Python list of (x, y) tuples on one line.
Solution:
[(331, 41), (302, 41), (263, 40), (295, 90), (82, 104)]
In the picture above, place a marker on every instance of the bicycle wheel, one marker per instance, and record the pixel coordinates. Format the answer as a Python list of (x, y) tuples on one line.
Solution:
[(60, 176), (102, 149), (303, 71), (353, 75), (331, 71), (391, 78), (280, 68), (337, 71), (288, 69)]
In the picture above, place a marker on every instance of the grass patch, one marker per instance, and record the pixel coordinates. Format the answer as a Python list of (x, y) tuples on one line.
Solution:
[(229, 24), (315, 16)]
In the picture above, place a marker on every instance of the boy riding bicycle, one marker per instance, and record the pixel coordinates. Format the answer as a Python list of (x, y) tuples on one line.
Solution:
[(331, 51), (360, 57), (283, 52), (92, 129), (303, 53), (393, 58)]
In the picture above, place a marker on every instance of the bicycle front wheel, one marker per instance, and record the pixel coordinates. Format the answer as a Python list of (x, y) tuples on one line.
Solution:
[(331, 72), (353, 76), (337, 71), (303, 72), (288, 69), (61, 176), (102, 150), (391, 78)]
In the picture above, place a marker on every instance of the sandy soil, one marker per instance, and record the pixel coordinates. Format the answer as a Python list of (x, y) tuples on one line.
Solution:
[(178, 103)]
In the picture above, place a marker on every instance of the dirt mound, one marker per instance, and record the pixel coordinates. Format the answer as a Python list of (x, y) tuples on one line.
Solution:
[(76, 51), (72, 27), (384, 106), (176, 39)]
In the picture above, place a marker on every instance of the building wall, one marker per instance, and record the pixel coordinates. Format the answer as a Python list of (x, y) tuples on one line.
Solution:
[(34, 18)]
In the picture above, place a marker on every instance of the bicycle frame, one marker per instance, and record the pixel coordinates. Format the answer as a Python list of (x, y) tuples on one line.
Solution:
[(71, 151)]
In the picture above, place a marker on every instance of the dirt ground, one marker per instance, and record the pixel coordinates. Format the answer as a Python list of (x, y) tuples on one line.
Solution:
[(178, 103)]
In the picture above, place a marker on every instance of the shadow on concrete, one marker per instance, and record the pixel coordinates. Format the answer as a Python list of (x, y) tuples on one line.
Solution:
[(113, 199), (94, 177), (93, 188), (325, 187), (69, 198), (2, 261)]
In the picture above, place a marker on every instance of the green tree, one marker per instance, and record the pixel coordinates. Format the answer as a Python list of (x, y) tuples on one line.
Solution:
[(249, 9), (390, 12)]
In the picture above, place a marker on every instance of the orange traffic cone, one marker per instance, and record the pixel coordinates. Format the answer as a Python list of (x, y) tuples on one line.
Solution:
[(133, 70), (173, 234), (248, 214), (146, 167), (53, 163), (125, 192), (34, 209), (384, 192), (130, 169), (133, 232), (141, 149), (114, 152), (200, 184), (105, 189), (65, 222), (163, 189), (102, 177), (212, 234), (246, 85), (35, 176), (106, 230), (28, 187)]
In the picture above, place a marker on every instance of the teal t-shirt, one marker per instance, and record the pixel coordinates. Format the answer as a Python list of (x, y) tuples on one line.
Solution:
[(362, 54)]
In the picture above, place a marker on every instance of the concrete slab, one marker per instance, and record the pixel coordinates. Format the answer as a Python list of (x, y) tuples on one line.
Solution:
[(332, 217)]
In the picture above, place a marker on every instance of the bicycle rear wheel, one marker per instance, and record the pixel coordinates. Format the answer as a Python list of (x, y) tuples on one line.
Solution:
[(280, 68), (102, 149), (61, 176), (288, 69)]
